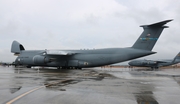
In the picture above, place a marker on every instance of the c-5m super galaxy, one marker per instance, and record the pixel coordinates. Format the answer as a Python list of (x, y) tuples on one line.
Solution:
[(90, 58), (155, 64)]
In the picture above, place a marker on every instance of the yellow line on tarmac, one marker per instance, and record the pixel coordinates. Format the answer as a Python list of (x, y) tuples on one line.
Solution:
[(37, 88), (22, 95)]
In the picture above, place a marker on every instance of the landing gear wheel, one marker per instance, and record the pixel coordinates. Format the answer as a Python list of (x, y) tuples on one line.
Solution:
[(28, 66)]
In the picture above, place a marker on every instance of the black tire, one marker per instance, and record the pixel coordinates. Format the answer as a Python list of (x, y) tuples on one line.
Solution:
[(28, 66)]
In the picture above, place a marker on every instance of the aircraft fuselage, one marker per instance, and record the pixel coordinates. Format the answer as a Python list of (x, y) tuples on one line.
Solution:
[(82, 58)]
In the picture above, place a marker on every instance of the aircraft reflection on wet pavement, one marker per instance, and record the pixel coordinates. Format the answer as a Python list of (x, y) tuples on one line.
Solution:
[(92, 85)]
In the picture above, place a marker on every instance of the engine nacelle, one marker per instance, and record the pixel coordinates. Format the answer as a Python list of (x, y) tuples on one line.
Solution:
[(40, 59)]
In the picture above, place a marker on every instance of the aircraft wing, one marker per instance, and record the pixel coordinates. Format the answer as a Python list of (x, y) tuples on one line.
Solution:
[(58, 52)]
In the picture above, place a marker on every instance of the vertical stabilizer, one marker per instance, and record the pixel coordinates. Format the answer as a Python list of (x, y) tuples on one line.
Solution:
[(150, 35), (177, 57)]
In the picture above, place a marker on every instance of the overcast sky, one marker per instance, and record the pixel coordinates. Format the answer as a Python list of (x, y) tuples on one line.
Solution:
[(86, 24)]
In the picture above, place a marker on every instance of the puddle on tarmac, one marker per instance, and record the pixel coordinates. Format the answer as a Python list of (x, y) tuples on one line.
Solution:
[(75, 78), (13, 90), (145, 99)]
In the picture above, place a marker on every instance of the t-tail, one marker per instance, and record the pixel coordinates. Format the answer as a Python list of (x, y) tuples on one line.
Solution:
[(177, 58), (150, 35)]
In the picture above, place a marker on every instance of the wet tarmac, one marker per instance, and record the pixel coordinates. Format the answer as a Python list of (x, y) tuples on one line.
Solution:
[(89, 86)]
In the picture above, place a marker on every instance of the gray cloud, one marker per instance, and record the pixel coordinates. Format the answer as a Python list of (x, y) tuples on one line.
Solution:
[(78, 24)]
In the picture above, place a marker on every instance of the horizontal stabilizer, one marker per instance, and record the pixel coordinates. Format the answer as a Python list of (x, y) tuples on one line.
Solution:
[(159, 24)]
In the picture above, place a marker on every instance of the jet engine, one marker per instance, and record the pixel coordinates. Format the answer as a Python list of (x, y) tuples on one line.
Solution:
[(41, 59)]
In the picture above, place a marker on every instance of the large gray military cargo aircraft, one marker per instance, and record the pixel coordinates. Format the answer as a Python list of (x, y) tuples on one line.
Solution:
[(90, 58), (155, 64)]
